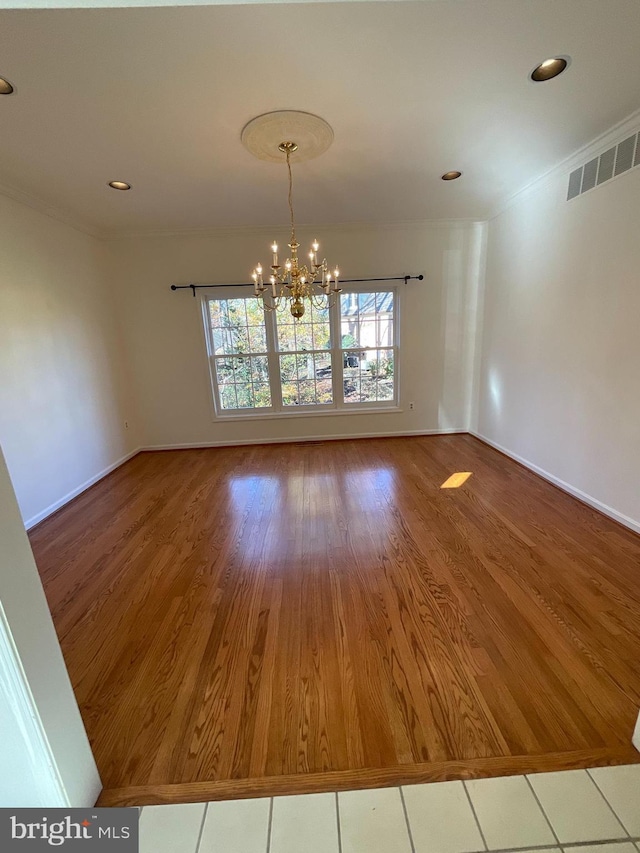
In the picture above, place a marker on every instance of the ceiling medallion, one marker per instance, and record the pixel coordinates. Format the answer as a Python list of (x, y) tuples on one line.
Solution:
[(284, 136)]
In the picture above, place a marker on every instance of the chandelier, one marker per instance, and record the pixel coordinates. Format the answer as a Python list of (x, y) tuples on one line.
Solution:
[(294, 283)]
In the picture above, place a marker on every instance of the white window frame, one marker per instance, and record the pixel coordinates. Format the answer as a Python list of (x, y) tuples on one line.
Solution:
[(277, 409)]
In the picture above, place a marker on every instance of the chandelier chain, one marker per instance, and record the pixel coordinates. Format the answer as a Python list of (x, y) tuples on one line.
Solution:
[(293, 227)]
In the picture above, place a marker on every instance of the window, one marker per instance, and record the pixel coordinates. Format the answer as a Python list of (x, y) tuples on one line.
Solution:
[(334, 359), (366, 321)]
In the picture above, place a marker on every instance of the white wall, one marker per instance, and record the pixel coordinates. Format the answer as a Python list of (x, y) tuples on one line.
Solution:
[(166, 343), (63, 388), (559, 376), (45, 757)]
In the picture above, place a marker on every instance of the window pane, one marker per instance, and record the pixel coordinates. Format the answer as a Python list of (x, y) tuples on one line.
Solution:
[(228, 397), (304, 336), (307, 392), (306, 379), (244, 395), (310, 333), (225, 369), (368, 376), (324, 385), (306, 366), (230, 340), (260, 368), (238, 325), (257, 339), (288, 368), (321, 336), (255, 311), (243, 382), (366, 319), (289, 393), (262, 395), (286, 336)]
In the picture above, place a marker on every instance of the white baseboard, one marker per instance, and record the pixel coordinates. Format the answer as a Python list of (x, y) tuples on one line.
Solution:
[(293, 439), (36, 519), (625, 520), (635, 740)]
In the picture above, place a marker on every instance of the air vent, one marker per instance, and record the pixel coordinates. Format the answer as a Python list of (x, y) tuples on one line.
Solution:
[(610, 163), (589, 175), (624, 157)]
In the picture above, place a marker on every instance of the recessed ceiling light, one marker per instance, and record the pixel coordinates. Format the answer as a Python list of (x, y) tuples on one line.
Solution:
[(451, 176), (5, 87), (119, 185), (549, 69)]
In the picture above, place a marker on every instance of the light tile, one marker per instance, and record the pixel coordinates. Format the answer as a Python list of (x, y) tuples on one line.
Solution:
[(373, 822), (576, 809), (547, 850), (441, 818), (508, 813), (236, 826), (169, 829), (621, 787), (308, 823), (615, 847)]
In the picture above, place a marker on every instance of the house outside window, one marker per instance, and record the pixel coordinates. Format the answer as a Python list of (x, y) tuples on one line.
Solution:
[(338, 359)]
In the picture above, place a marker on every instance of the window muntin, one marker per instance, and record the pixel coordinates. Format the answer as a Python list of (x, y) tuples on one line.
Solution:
[(334, 359)]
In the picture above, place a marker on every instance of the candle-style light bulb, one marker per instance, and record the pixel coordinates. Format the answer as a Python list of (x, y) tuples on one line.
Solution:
[(259, 269), (315, 245), (274, 249), (254, 276)]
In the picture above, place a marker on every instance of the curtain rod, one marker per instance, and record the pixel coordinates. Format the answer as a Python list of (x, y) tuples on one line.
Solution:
[(194, 287)]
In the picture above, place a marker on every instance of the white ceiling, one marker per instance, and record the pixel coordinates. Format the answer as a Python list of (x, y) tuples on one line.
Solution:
[(158, 97)]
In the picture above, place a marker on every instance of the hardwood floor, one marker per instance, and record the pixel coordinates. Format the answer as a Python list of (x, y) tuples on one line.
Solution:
[(287, 618)]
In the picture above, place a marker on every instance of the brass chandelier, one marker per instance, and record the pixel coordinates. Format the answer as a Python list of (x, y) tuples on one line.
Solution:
[(293, 283)]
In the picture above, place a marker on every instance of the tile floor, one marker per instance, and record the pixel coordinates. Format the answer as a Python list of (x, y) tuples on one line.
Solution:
[(576, 811)]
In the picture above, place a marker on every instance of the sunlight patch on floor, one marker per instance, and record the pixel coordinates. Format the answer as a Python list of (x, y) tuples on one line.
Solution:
[(456, 480)]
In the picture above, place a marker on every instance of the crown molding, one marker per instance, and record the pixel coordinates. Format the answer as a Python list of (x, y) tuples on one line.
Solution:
[(615, 134), (39, 204)]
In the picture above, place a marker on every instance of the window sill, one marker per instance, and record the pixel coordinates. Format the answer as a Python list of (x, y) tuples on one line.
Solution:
[(336, 413)]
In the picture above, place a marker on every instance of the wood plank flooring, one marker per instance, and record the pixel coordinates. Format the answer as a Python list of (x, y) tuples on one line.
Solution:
[(287, 618)]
